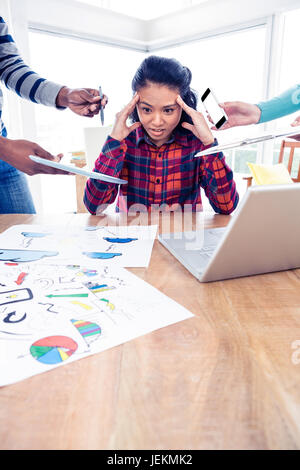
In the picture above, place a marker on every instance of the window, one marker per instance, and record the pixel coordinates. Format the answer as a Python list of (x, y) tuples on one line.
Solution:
[(231, 64), (289, 76), (76, 64)]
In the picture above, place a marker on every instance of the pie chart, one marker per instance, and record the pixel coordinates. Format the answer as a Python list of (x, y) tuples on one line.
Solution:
[(53, 349)]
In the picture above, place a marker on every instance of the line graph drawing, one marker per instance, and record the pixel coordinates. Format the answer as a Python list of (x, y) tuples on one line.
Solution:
[(50, 308)]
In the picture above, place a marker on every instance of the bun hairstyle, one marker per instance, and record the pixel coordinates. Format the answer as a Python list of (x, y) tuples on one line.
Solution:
[(168, 72)]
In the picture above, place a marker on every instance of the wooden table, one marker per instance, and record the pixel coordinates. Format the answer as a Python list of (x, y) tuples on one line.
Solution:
[(228, 378)]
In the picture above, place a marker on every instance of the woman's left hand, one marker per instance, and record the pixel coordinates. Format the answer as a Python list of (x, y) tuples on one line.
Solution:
[(199, 127)]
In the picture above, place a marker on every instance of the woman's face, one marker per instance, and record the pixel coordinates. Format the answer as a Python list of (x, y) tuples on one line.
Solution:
[(158, 111)]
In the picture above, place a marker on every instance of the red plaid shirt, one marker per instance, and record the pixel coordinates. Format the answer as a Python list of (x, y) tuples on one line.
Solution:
[(158, 176)]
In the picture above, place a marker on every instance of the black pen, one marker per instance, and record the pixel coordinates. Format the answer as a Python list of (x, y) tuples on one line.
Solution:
[(101, 107)]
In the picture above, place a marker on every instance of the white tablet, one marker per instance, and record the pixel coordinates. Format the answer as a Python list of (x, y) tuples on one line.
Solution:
[(78, 171)]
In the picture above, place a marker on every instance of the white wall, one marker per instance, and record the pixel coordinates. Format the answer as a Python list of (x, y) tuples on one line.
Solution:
[(93, 23), (210, 18), (78, 19)]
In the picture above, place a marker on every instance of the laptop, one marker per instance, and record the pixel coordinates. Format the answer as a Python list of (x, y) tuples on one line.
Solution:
[(262, 236)]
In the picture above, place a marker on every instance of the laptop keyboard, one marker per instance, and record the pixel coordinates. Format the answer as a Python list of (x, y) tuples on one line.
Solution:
[(195, 250), (212, 237), (209, 248), (211, 240)]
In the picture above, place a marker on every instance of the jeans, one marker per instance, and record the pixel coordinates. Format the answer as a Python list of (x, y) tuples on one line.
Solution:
[(15, 196)]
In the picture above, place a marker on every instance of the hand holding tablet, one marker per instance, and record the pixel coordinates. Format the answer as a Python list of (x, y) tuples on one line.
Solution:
[(78, 171)]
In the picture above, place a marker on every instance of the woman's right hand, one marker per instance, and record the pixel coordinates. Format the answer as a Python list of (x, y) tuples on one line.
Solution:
[(121, 130)]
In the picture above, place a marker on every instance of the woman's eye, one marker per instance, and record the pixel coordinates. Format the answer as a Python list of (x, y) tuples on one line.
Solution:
[(146, 110), (169, 110)]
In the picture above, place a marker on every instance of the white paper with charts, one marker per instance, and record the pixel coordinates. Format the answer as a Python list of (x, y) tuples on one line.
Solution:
[(126, 246), (51, 316)]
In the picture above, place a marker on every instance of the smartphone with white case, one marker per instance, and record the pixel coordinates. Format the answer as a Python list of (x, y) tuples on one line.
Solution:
[(216, 113)]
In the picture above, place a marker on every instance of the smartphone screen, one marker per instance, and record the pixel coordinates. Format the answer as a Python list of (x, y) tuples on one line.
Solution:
[(212, 107)]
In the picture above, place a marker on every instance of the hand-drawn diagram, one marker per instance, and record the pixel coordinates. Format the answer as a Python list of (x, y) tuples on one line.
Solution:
[(97, 287), (34, 234), (30, 236), (53, 349), (14, 296), (56, 313), (100, 255), (127, 246), (10, 315), (109, 304), (24, 255), (21, 278), (119, 240), (89, 272), (89, 331)]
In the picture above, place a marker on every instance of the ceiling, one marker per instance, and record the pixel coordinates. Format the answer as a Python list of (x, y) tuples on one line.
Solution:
[(143, 9)]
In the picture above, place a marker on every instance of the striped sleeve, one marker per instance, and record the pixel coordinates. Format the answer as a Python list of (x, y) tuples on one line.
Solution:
[(18, 76)]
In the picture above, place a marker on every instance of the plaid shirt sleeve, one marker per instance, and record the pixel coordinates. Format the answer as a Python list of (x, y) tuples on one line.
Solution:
[(98, 195), (218, 183)]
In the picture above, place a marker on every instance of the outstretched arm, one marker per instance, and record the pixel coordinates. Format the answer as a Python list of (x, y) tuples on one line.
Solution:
[(243, 114), (16, 153)]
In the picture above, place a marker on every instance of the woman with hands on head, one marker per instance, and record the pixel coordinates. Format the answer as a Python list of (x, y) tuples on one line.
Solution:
[(155, 152)]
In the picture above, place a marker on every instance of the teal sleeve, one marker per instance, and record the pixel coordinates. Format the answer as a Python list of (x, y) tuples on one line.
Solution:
[(282, 105)]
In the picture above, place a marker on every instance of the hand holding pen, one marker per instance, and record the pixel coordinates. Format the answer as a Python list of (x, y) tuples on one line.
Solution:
[(83, 101)]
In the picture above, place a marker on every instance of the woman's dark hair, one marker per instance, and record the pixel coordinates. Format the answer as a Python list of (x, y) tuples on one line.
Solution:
[(168, 72)]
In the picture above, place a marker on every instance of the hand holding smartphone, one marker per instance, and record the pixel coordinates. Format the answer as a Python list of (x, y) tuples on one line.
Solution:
[(217, 114)]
